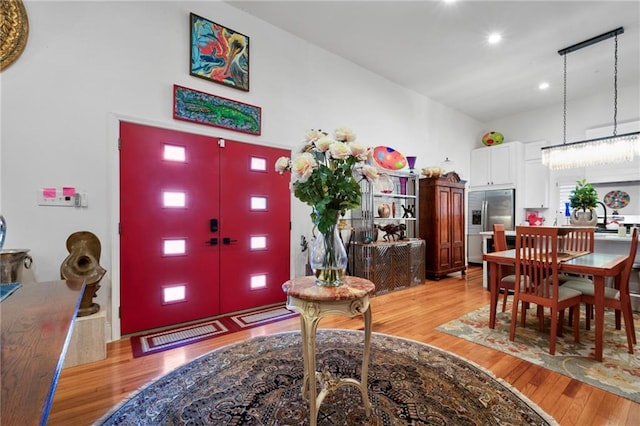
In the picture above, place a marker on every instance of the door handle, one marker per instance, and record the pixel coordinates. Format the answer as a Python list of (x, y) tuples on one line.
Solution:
[(212, 242), (227, 241), (213, 225)]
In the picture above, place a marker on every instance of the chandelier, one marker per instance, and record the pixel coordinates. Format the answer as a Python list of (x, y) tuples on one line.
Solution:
[(605, 150)]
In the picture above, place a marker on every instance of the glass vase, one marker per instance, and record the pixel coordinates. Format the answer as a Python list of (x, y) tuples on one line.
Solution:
[(3, 231), (328, 258)]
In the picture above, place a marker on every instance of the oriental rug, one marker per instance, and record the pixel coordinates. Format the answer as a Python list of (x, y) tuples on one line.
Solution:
[(162, 340), (258, 382), (618, 374)]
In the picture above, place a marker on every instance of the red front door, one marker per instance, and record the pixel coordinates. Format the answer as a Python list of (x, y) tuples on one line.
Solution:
[(192, 246), (255, 205)]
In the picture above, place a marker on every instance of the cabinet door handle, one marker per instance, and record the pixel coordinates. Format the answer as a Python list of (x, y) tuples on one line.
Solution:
[(212, 242)]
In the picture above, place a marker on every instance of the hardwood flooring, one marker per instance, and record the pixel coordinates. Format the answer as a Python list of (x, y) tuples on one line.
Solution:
[(86, 392)]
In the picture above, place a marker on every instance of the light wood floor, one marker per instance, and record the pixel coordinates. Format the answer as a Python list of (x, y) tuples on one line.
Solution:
[(86, 392)]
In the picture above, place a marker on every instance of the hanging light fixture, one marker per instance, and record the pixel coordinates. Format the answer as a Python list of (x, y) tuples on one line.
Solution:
[(610, 149)]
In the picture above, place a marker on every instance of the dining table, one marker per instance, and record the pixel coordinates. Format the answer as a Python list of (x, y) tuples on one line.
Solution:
[(600, 266)]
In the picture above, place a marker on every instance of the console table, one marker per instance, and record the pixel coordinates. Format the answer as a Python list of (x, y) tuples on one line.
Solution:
[(313, 302), (37, 321)]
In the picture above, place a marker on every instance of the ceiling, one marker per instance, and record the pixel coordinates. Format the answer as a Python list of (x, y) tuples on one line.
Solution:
[(439, 49)]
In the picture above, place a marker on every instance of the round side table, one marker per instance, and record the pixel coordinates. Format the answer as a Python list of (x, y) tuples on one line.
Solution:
[(314, 302)]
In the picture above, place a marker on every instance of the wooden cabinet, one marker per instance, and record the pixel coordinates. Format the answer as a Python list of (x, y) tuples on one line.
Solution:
[(494, 167), (441, 224)]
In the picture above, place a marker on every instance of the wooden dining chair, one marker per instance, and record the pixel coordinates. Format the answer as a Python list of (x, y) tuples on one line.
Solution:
[(618, 299), (537, 270), (506, 274), (580, 239)]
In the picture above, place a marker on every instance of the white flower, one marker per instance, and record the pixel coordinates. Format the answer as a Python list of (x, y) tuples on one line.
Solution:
[(303, 166), (345, 134), (339, 150), (282, 164), (370, 172), (359, 151), (323, 143), (313, 135)]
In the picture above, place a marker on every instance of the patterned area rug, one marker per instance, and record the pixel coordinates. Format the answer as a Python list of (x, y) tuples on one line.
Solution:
[(258, 382), (163, 340), (618, 374)]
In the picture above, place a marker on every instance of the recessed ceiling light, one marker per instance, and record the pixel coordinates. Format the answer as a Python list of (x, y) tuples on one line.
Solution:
[(494, 38), (543, 86)]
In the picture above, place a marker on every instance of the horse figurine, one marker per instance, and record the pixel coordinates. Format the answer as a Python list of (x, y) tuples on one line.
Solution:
[(393, 232)]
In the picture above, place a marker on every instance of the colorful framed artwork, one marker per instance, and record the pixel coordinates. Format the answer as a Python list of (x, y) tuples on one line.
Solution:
[(204, 108), (219, 54)]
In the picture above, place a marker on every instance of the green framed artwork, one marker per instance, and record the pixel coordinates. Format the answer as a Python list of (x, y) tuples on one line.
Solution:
[(204, 108), (219, 54)]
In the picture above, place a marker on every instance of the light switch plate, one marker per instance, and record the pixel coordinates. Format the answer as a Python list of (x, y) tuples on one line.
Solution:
[(59, 200)]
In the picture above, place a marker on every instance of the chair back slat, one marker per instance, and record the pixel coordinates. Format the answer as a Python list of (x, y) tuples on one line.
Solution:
[(499, 237)]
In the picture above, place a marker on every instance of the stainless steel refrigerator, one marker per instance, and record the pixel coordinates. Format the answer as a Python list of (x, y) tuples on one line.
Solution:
[(485, 209)]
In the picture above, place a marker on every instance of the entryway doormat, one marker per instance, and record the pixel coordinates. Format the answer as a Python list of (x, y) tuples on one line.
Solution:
[(158, 341)]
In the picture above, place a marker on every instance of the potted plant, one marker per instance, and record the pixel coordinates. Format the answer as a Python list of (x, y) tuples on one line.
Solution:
[(583, 200)]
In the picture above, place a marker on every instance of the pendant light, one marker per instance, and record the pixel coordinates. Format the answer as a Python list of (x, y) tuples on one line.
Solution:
[(606, 150)]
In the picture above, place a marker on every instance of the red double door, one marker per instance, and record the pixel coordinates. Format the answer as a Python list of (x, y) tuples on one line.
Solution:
[(204, 227)]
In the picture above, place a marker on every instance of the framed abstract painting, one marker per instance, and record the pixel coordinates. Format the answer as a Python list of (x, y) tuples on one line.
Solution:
[(204, 108), (219, 54)]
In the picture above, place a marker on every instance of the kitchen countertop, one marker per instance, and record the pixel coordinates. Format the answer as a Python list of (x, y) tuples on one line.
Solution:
[(604, 236)]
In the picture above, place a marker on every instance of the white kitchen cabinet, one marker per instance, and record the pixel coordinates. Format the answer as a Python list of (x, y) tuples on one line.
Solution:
[(536, 185), (494, 167), (536, 177)]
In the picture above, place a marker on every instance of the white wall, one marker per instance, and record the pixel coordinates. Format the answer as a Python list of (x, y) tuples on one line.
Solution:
[(582, 114), (87, 64)]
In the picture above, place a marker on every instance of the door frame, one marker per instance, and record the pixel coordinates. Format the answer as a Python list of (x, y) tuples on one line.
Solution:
[(113, 198)]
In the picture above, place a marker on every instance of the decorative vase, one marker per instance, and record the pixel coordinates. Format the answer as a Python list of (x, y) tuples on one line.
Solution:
[(403, 185), (411, 162), (328, 258), (384, 210), (583, 218)]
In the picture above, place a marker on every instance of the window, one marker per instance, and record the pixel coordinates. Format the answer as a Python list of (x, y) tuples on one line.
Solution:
[(258, 281), (174, 247), (174, 293), (174, 199), (174, 153), (258, 164)]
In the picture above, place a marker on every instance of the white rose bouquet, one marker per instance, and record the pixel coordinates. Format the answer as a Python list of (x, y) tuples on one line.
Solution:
[(327, 174)]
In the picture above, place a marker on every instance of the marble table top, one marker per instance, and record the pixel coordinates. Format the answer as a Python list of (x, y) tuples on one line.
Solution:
[(305, 288)]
